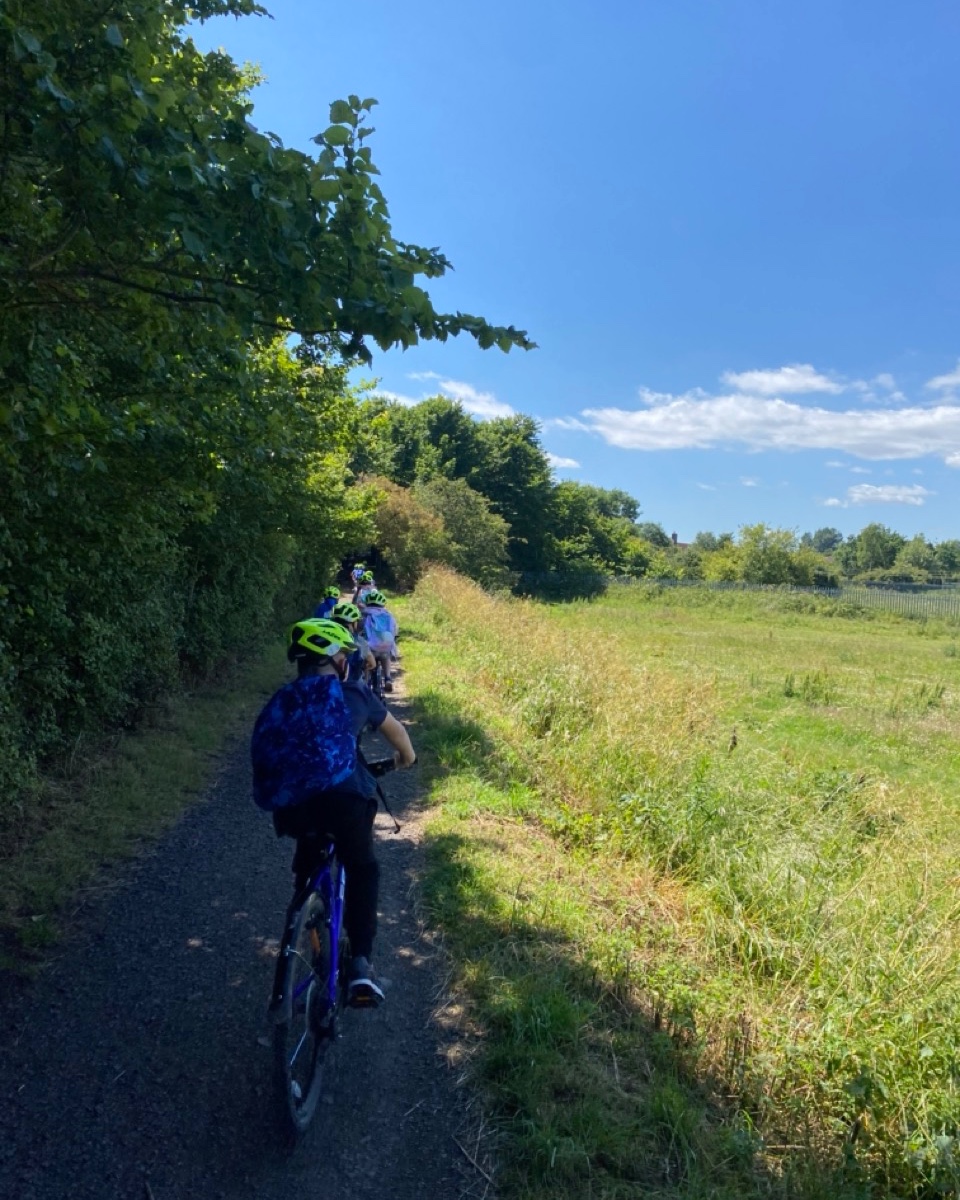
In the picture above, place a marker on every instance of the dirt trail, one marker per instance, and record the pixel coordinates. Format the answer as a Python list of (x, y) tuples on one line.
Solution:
[(132, 1068)]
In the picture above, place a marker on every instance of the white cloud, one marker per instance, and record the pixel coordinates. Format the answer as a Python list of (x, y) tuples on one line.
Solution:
[(706, 487), (397, 398), (558, 461), (881, 389), (834, 463), (945, 383), (782, 381), (481, 404), (749, 481), (860, 470), (953, 460), (888, 493), (736, 421), (566, 423)]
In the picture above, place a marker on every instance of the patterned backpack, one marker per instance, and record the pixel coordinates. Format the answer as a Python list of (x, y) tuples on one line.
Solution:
[(302, 743)]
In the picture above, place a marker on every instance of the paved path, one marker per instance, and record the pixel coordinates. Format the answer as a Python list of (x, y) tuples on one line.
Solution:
[(131, 1068)]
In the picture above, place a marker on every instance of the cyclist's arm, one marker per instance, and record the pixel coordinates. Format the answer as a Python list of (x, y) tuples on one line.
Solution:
[(399, 739)]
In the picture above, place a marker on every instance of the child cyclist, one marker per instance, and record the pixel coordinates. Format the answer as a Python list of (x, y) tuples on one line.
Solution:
[(306, 772), (330, 597), (364, 588), (380, 630), (361, 661)]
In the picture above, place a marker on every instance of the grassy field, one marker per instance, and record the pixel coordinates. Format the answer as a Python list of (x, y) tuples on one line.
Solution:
[(696, 859)]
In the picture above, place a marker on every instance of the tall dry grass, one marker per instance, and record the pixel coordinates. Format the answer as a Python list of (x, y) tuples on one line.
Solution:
[(819, 903)]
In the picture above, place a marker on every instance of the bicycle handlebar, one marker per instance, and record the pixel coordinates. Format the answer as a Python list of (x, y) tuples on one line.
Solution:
[(381, 766)]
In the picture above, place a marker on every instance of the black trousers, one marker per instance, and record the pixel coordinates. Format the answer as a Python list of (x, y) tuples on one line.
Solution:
[(348, 819)]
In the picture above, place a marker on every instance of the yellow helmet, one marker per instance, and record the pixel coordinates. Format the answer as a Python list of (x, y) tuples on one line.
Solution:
[(315, 638)]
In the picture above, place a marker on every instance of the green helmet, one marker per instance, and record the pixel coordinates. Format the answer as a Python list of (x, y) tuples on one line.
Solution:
[(345, 611), (366, 577), (315, 638), (378, 599), (331, 593), (359, 566)]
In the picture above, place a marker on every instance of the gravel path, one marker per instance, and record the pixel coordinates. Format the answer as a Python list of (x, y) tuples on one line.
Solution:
[(132, 1068)]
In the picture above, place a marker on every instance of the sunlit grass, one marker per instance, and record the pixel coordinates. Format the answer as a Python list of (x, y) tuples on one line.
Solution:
[(757, 806)]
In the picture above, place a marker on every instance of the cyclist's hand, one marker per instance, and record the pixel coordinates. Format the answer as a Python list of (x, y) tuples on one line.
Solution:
[(403, 761)]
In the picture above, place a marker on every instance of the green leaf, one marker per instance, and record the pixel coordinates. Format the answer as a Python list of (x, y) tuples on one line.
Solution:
[(342, 114), (325, 190), (114, 36), (336, 135), (192, 243)]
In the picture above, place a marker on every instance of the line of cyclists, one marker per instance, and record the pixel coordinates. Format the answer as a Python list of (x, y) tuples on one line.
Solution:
[(308, 771), (373, 625)]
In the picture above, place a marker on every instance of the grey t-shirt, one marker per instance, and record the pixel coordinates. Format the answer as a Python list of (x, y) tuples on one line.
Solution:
[(366, 712)]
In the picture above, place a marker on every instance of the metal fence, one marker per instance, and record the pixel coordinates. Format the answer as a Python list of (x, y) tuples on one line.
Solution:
[(912, 600)]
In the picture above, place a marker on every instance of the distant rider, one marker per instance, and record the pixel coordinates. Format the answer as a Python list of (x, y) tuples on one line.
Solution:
[(361, 661), (364, 588), (326, 606), (380, 629)]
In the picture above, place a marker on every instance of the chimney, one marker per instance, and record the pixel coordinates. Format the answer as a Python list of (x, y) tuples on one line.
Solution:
[(673, 538)]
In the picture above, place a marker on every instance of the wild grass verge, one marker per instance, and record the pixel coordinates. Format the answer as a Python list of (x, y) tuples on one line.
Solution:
[(107, 799), (698, 967)]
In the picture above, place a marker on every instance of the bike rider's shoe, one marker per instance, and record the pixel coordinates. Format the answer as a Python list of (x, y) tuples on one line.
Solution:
[(388, 685), (363, 991)]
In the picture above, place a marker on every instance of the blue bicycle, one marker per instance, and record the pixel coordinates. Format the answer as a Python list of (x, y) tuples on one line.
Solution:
[(310, 984)]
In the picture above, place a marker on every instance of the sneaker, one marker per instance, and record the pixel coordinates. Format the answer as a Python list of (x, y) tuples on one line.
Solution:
[(362, 989), (388, 686)]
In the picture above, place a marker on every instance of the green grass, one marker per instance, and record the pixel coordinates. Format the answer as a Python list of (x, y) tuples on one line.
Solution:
[(108, 799), (700, 965)]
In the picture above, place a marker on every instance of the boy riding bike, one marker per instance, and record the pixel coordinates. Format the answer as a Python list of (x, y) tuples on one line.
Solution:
[(326, 606), (364, 588), (306, 772), (361, 661)]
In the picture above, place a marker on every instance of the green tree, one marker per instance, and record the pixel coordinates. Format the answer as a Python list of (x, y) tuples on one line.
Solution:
[(947, 556), (654, 534), (766, 554), (435, 437), (173, 475), (408, 534), (877, 547), (916, 557), (515, 476), (823, 540), (723, 565), (477, 537), (590, 528)]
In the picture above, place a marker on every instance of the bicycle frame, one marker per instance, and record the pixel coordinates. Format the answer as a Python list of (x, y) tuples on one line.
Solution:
[(330, 886)]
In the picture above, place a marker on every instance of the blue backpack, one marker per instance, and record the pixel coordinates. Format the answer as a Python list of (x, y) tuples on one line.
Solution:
[(302, 743)]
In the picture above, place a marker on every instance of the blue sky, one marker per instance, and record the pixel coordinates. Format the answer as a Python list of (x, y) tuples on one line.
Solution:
[(732, 226)]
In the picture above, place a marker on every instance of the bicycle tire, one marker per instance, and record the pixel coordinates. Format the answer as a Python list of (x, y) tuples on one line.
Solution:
[(301, 1042), (378, 681)]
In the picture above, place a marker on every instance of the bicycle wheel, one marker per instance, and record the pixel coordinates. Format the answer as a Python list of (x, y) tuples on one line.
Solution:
[(378, 681), (301, 1040)]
